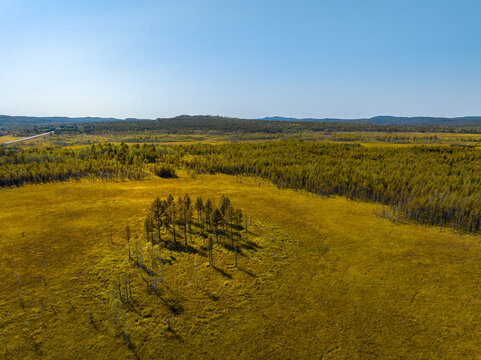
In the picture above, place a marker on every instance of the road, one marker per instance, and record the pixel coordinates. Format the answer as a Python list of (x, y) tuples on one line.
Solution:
[(27, 138)]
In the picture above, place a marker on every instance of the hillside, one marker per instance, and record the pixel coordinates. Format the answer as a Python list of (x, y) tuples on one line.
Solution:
[(220, 122), (424, 121), (14, 121)]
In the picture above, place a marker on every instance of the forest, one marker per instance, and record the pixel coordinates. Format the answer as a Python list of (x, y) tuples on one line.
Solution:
[(97, 161), (436, 185)]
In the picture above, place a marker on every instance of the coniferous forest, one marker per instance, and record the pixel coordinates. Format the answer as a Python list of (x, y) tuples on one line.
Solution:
[(436, 185)]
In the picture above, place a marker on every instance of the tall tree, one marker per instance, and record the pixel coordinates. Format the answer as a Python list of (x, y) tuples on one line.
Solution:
[(238, 218), (127, 237), (157, 211), (210, 251), (181, 216), (187, 215), (216, 220), (172, 215), (224, 205), (127, 233), (208, 208), (149, 228), (199, 206), (230, 218)]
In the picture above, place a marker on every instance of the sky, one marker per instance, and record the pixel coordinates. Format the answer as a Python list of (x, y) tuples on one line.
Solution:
[(242, 58)]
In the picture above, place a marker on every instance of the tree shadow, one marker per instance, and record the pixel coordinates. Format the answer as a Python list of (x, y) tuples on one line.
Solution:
[(174, 306), (250, 245), (226, 245), (133, 348), (181, 248), (248, 272), (226, 274)]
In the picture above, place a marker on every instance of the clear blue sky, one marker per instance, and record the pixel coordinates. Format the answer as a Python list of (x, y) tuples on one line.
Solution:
[(246, 58)]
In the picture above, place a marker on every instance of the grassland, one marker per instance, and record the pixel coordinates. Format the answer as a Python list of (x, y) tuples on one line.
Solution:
[(317, 278)]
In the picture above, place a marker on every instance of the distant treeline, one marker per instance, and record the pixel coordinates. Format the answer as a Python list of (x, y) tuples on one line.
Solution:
[(202, 123), (196, 124), (435, 185), (102, 161)]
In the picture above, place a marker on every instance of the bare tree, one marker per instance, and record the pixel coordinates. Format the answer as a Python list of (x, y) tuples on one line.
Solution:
[(199, 206), (196, 271), (211, 246), (172, 216), (19, 289), (127, 233), (216, 219), (161, 270), (3, 338)]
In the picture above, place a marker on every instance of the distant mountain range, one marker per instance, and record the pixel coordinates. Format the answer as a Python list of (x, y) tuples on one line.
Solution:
[(465, 122), (396, 120), (6, 120)]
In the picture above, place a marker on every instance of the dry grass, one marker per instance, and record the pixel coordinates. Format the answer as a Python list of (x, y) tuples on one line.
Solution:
[(322, 278)]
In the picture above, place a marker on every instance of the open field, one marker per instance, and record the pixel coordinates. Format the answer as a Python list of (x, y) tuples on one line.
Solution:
[(317, 278)]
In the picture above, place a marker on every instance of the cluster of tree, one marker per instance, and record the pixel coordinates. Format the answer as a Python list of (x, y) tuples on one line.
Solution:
[(389, 138), (164, 170), (429, 184), (169, 213), (104, 161)]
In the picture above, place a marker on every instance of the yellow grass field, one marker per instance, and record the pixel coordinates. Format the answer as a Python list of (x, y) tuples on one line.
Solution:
[(318, 278)]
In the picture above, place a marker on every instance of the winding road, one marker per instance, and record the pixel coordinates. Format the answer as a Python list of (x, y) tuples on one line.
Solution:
[(27, 138)]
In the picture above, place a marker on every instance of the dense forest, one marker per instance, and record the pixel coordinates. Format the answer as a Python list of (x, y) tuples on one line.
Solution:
[(431, 185), (107, 161), (436, 185)]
